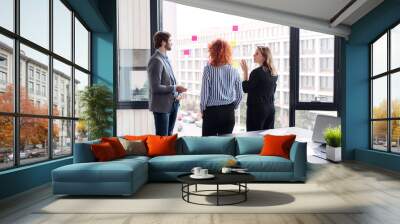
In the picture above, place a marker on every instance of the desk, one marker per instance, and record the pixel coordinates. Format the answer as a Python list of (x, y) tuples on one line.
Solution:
[(315, 152)]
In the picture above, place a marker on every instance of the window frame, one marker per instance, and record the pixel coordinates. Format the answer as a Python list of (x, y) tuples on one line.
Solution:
[(294, 79), (16, 114), (388, 74), (155, 25), (156, 8)]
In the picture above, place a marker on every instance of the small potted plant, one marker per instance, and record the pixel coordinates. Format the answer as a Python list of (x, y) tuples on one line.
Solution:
[(333, 137)]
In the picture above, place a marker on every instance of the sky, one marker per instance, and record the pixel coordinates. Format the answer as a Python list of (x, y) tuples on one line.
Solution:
[(35, 27)]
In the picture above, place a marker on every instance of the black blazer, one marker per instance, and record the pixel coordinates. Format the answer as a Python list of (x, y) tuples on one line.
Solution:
[(260, 87)]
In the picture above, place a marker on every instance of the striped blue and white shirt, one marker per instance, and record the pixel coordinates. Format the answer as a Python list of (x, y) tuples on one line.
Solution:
[(221, 86)]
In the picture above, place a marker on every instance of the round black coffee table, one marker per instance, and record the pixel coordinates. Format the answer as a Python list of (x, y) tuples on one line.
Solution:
[(238, 179)]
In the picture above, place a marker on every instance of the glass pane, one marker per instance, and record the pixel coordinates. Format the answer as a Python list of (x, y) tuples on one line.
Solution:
[(6, 74), (395, 95), (81, 131), (6, 142), (133, 85), (35, 21), (7, 14), (81, 81), (379, 98), (62, 89), (62, 29), (62, 138), (316, 67), (395, 136), (306, 118), (81, 45), (33, 139), (34, 81), (379, 56), (395, 47), (134, 51), (189, 55), (379, 135)]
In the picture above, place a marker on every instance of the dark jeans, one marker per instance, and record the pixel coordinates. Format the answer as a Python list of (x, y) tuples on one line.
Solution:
[(260, 117), (218, 120), (165, 122)]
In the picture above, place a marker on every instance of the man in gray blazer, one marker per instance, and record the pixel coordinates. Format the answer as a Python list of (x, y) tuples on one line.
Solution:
[(164, 91)]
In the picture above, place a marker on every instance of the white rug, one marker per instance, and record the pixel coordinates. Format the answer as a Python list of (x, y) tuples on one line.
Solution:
[(166, 198)]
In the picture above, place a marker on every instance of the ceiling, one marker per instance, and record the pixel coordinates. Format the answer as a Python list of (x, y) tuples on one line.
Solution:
[(319, 9), (316, 15)]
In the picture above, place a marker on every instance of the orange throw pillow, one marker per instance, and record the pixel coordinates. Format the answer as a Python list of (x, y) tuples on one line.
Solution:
[(161, 145), (277, 145), (103, 152), (137, 137), (116, 145)]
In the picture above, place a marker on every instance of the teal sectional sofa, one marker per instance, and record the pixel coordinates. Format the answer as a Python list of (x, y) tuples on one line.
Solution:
[(125, 176)]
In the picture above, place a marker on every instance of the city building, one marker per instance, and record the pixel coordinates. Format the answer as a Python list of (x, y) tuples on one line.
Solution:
[(338, 68)]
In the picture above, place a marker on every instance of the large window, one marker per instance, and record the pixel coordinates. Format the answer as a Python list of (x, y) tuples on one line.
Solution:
[(38, 124), (385, 96), (316, 67), (305, 61), (191, 33), (133, 51)]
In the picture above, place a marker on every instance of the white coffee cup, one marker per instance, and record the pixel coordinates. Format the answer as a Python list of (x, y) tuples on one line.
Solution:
[(196, 170), (226, 170), (203, 172)]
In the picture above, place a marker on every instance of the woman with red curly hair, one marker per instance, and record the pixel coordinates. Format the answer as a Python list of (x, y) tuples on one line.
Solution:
[(221, 90)]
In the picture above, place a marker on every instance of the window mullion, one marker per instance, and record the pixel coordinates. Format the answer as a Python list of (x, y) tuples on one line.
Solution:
[(16, 85), (389, 113), (294, 57), (73, 81), (50, 81)]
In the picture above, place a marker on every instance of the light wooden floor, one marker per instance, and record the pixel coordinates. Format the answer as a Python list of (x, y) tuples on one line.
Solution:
[(378, 188)]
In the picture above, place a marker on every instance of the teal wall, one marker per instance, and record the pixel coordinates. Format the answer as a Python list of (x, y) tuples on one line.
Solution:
[(24, 178), (356, 98), (103, 51), (100, 16)]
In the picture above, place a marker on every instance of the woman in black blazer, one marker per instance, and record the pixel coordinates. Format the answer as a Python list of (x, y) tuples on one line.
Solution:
[(260, 87)]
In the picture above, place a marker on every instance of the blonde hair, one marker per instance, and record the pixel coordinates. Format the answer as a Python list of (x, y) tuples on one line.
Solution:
[(269, 62)]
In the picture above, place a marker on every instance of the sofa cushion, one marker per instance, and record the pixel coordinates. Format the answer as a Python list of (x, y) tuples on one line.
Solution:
[(161, 145), (185, 163), (103, 152), (116, 145), (133, 158), (112, 171), (83, 152), (207, 145), (277, 145), (249, 145), (257, 163), (136, 147)]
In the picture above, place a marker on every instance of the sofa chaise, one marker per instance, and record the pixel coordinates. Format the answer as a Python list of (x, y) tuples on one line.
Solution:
[(125, 176)]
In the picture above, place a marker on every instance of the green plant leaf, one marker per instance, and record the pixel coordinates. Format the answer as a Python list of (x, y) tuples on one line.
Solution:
[(333, 136), (96, 102)]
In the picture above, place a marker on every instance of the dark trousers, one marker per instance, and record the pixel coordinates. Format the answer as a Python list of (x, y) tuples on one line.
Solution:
[(165, 122), (218, 120), (260, 117)]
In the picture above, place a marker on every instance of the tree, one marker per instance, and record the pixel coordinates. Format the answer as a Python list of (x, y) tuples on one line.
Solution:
[(380, 127), (33, 130)]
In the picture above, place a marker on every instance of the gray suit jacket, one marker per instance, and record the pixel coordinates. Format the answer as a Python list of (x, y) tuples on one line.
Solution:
[(161, 89)]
